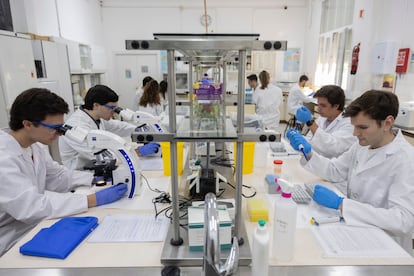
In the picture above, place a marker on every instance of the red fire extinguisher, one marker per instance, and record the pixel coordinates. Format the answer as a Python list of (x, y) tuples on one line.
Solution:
[(355, 56)]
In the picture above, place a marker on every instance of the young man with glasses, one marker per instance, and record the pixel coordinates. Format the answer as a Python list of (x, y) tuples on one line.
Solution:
[(96, 113), (33, 186)]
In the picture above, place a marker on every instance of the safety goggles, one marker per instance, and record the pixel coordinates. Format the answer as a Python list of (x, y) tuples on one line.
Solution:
[(111, 107), (59, 128)]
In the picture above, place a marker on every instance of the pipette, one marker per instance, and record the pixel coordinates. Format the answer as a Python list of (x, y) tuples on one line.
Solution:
[(302, 149)]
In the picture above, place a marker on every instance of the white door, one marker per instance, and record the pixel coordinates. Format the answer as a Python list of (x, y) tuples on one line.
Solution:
[(130, 70)]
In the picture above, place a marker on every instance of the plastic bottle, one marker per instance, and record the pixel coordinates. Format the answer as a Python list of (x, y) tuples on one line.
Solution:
[(260, 154), (284, 223), (277, 166), (260, 250)]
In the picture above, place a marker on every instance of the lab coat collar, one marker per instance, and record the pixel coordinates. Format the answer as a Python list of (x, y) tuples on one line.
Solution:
[(334, 122), (384, 153), (9, 143), (97, 122)]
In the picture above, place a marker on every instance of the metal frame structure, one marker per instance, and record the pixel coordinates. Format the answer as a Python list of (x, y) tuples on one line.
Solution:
[(206, 50)]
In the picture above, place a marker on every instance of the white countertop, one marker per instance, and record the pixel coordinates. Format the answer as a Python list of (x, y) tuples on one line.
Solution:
[(89, 255)]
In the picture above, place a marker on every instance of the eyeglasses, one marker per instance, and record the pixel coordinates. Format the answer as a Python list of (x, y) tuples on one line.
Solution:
[(52, 128), (111, 107)]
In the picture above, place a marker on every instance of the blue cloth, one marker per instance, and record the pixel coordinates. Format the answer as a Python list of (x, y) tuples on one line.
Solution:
[(303, 114), (59, 240), (326, 197)]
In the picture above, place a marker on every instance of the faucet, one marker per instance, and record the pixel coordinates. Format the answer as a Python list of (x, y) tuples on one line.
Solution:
[(211, 259)]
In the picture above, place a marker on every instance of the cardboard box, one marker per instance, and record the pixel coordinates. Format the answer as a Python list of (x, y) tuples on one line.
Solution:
[(196, 228)]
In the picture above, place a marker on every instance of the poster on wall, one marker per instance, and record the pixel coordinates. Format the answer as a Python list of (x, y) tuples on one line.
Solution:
[(291, 60), (388, 81)]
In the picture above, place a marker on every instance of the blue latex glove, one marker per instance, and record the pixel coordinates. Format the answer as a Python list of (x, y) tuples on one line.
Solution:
[(291, 132), (303, 114), (110, 194), (147, 149), (326, 197), (297, 141)]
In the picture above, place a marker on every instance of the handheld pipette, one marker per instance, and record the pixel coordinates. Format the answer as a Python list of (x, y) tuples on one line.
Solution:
[(302, 149)]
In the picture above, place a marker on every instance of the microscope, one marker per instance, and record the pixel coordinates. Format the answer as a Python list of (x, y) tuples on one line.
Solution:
[(144, 121), (128, 171)]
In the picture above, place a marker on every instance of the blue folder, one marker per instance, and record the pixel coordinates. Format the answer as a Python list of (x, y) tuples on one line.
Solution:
[(59, 240)]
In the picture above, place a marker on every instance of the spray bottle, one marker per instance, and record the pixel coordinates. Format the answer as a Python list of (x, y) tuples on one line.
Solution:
[(284, 223)]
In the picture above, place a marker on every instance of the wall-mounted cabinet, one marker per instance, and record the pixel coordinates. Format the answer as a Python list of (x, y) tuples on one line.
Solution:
[(85, 59)]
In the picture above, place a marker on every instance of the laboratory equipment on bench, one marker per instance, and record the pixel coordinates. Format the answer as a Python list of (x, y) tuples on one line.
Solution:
[(103, 165), (204, 181), (128, 171), (405, 117), (144, 121)]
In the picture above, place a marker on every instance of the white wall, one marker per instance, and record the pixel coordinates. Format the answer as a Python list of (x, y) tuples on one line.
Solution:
[(78, 20), (382, 21), (108, 23), (125, 19)]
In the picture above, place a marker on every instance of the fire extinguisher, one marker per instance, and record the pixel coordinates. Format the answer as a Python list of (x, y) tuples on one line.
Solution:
[(355, 56)]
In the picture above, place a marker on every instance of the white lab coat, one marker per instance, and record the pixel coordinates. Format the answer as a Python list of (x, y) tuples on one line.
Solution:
[(137, 97), (267, 105), (380, 187), (156, 110), (333, 140), (75, 155), (34, 189), (296, 99)]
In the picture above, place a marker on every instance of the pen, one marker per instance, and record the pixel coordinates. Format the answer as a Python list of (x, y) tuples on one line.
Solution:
[(323, 220)]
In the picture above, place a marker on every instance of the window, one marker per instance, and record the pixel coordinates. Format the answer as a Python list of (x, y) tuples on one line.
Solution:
[(334, 54)]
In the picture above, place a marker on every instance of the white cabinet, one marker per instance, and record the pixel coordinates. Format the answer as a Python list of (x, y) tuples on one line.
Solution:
[(85, 59), (74, 57), (57, 75), (98, 59), (17, 69)]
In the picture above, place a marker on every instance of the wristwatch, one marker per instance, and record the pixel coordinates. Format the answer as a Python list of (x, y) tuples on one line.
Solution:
[(309, 123)]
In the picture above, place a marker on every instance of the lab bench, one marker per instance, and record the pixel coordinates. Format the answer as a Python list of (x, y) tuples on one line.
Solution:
[(139, 258)]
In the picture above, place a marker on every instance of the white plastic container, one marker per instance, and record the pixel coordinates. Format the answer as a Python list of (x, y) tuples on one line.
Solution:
[(284, 223), (260, 154), (260, 250)]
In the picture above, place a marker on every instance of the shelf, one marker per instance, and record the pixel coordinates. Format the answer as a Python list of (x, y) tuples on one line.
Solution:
[(206, 131)]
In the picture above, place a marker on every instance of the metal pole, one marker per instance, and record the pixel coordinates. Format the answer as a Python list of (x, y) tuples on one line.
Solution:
[(240, 130), (176, 240)]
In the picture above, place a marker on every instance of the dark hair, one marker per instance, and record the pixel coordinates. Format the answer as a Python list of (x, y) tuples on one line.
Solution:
[(252, 77), (146, 80), (163, 88), (303, 78), (264, 79), (100, 94), (375, 103), (35, 104), (333, 93), (151, 94)]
